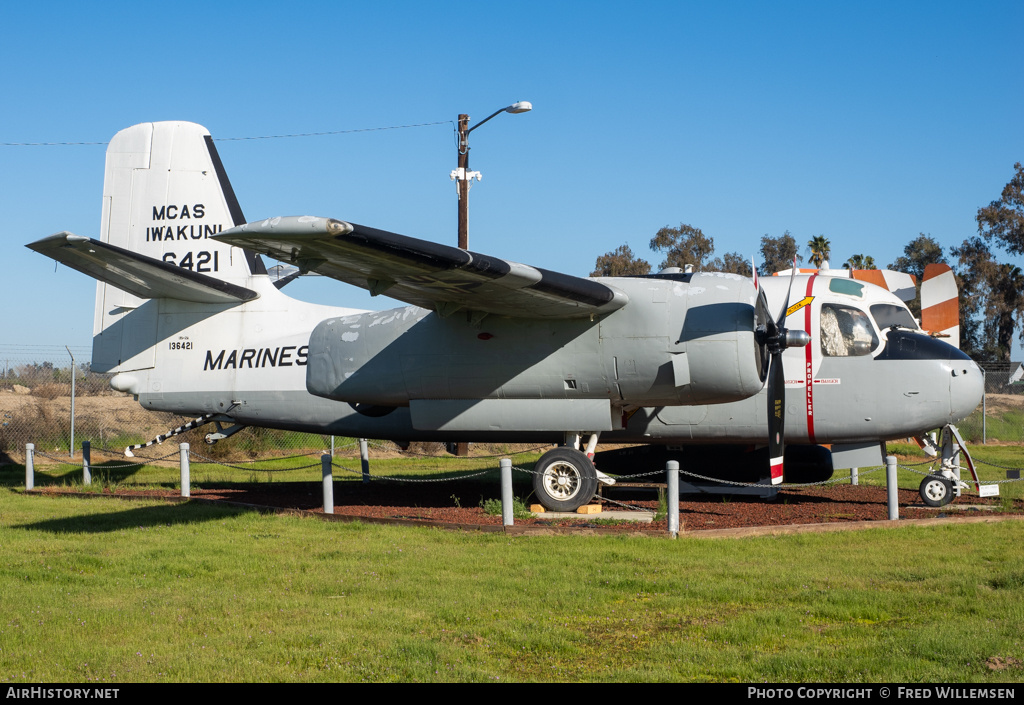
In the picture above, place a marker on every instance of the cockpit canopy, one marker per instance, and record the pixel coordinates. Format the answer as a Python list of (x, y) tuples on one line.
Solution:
[(847, 331)]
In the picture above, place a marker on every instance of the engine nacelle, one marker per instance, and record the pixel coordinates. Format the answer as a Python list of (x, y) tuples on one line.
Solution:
[(681, 339)]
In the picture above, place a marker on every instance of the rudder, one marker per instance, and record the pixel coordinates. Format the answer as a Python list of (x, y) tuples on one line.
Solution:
[(165, 193)]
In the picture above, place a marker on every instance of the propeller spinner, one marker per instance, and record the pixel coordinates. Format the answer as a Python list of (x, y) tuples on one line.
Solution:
[(773, 338)]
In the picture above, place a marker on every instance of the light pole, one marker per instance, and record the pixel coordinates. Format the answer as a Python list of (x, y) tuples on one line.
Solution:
[(462, 175)]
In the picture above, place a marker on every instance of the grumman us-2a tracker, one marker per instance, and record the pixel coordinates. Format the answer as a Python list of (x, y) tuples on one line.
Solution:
[(490, 350)]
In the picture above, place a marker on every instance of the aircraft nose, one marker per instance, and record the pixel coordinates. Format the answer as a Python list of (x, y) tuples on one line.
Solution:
[(966, 388)]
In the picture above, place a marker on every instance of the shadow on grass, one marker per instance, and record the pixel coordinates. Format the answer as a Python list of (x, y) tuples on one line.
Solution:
[(107, 472), (134, 518)]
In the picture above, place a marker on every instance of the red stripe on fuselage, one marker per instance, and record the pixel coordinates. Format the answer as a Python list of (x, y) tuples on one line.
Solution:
[(809, 366)]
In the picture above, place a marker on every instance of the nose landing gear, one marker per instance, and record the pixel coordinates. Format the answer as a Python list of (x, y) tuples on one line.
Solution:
[(936, 491), (942, 486)]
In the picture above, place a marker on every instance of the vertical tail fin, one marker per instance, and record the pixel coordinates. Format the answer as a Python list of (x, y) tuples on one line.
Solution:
[(165, 193), (940, 307)]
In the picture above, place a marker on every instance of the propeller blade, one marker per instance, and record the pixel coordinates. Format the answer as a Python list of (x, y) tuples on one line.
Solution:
[(781, 318), (776, 417), (776, 340)]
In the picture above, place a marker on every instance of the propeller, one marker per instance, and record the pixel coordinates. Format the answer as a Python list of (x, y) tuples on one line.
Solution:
[(773, 338)]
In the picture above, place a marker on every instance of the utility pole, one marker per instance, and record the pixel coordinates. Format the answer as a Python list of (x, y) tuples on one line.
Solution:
[(462, 176)]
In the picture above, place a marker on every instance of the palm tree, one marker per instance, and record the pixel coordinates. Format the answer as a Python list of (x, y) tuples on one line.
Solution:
[(860, 262), (819, 247)]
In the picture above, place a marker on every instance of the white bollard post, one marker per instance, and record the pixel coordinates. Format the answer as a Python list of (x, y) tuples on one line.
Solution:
[(506, 492), (853, 476), (30, 466), (186, 489), (890, 484), (325, 465), (86, 459), (672, 469), (364, 458)]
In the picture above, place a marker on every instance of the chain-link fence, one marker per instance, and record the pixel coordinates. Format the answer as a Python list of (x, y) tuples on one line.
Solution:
[(36, 407), (1000, 418), (36, 384)]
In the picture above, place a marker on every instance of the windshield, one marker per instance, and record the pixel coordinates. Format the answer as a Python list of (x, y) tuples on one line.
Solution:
[(846, 331), (887, 315)]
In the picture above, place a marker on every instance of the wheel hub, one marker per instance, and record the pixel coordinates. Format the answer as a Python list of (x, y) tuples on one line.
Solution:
[(935, 490), (562, 480)]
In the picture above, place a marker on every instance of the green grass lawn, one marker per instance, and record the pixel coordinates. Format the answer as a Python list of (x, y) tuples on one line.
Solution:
[(104, 590)]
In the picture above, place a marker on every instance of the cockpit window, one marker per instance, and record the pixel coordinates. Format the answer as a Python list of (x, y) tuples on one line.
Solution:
[(888, 315), (846, 331), (846, 286)]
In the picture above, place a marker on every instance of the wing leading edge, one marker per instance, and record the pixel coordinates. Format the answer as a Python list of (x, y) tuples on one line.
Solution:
[(426, 274)]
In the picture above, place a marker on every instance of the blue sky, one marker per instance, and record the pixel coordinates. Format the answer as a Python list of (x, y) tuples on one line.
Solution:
[(866, 122)]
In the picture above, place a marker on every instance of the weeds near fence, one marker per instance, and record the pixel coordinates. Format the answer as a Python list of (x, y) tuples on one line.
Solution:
[(519, 508)]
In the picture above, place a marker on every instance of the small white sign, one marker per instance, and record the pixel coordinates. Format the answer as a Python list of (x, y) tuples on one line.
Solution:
[(988, 490)]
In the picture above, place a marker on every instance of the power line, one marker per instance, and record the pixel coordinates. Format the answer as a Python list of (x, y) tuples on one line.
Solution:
[(238, 139), (336, 132)]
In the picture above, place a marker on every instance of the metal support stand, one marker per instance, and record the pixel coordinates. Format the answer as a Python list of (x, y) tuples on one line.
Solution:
[(890, 486), (325, 466), (672, 469), (506, 492), (364, 457), (30, 466), (86, 459), (186, 482)]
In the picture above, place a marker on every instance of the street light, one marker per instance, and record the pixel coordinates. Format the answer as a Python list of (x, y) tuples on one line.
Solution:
[(463, 175)]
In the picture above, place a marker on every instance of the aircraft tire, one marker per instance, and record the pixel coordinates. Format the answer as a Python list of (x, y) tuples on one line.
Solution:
[(936, 491), (564, 480)]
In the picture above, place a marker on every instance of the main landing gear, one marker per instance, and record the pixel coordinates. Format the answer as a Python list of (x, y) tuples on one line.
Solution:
[(565, 478)]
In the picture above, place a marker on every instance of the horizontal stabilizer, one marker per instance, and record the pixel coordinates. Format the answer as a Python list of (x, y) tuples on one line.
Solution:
[(426, 274), (145, 277)]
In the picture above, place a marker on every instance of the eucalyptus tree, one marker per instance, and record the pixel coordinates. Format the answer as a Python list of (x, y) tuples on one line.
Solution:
[(620, 262), (777, 253)]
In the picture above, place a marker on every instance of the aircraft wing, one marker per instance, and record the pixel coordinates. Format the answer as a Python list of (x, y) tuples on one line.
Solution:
[(426, 274), (143, 276)]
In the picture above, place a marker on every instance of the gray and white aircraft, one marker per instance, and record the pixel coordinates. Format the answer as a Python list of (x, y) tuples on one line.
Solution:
[(190, 322)]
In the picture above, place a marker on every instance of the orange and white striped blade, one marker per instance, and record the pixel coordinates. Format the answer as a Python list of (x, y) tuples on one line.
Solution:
[(776, 464), (899, 283), (940, 308)]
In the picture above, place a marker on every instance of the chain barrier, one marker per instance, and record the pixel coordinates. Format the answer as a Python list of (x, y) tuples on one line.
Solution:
[(624, 505), (211, 461), (61, 461), (996, 465), (411, 479), (984, 482), (396, 448)]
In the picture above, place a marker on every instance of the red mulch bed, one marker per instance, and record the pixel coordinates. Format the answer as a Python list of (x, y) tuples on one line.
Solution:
[(383, 500)]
